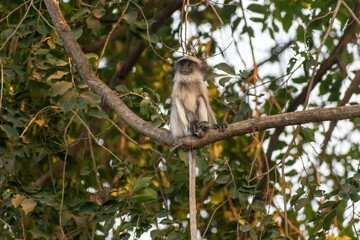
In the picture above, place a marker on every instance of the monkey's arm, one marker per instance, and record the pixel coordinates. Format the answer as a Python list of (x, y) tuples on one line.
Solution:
[(204, 111), (178, 122), (206, 115), (184, 121)]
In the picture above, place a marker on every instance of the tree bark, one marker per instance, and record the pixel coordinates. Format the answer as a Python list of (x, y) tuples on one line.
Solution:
[(163, 136)]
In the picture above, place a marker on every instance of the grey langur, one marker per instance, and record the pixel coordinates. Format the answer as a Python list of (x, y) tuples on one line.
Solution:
[(191, 114)]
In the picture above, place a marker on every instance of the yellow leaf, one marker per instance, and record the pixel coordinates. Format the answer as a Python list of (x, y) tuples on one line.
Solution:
[(217, 198), (40, 122), (28, 205), (241, 221), (16, 201), (51, 43)]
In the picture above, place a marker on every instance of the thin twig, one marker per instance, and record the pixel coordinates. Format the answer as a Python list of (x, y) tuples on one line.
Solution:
[(148, 31), (92, 135), (111, 32), (63, 176), (98, 182), (131, 139), (12, 11), (351, 12), (17, 27), (42, 16), (283, 188), (34, 118), (2, 84), (217, 15), (212, 216), (318, 53), (8, 225)]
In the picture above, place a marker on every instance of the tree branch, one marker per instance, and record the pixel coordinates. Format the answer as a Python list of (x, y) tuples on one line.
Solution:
[(273, 121), (349, 33), (109, 97), (236, 129)]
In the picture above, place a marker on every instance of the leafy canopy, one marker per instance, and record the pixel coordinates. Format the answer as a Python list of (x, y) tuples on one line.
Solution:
[(70, 166)]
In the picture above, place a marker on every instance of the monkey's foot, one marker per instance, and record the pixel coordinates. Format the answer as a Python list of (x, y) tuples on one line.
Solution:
[(220, 126), (199, 128)]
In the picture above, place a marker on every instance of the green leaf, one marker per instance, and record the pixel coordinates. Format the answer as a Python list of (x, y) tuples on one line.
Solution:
[(266, 219), (224, 80), (146, 194), (130, 17), (50, 59), (99, 12), (156, 234), (92, 99), (252, 234), (39, 233), (233, 193), (326, 223), (68, 101), (59, 88), (121, 88), (291, 64), (153, 38), (256, 19), (144, 107), (245, 228), (167, 221), (308, 134), (258, 206), (328, 204), (257, 8), (94, 25), (88, 207), (226, 68), (223, 178), (10, 132), (15, 119), (300, 203), (176, 236), (142, 183)]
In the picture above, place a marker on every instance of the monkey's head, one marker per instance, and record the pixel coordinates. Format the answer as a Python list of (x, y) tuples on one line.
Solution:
[(189, 65)]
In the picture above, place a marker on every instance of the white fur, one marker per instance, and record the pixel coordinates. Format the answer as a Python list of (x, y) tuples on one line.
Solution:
[(194, 98)]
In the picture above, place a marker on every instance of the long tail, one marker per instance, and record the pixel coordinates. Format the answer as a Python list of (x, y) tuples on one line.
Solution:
[(192, 194)]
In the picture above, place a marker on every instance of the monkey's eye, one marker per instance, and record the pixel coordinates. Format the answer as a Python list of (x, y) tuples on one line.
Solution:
[(181, 64), (189, 64)]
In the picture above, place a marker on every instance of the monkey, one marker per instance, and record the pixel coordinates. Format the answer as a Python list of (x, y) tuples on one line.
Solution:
[(191, 115)]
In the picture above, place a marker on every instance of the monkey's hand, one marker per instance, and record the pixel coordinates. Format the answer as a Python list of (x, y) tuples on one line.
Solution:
[(199, 128), (220, 126)]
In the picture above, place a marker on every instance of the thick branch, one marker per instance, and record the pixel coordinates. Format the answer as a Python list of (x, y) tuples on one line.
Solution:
[(273, 121), (109, 97), (236, 129)]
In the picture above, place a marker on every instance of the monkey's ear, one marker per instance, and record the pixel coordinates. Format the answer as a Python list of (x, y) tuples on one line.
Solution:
[(175, 68), (203, 67)]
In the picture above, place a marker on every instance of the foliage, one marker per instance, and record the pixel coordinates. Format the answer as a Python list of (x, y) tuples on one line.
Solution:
[(70, 166)]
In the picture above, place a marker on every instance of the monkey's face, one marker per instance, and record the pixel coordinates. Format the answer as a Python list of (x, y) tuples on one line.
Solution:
[(186, 67)]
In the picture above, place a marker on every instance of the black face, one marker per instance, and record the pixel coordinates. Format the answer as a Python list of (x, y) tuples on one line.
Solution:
[(186, 67)]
